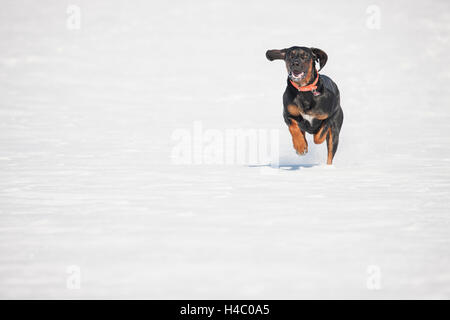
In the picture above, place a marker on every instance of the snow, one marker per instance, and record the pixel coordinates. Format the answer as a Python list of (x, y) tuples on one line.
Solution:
[(88, 176)]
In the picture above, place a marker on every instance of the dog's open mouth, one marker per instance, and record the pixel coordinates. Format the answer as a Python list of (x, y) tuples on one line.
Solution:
[(296, 75)]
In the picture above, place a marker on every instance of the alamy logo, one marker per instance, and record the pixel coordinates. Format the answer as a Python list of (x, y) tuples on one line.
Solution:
[(74, 277), (374, 277), (73, 21), (373, 20), (229, 146)]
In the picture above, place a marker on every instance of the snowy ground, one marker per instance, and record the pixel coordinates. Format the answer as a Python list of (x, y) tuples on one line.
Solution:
[(88, 179)]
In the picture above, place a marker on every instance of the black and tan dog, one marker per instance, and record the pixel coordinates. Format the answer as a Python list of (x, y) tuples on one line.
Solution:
[(311, 101)]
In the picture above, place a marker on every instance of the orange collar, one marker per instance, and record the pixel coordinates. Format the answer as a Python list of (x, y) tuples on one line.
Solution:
[(309, 87)]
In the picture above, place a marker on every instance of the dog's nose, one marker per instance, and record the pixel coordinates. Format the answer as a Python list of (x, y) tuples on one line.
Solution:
[(296, 63)]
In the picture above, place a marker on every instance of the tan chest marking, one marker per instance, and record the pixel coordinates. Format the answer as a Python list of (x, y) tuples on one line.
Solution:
[(296, 111), (308, 118)]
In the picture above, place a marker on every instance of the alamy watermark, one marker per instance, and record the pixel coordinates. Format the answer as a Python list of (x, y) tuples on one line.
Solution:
[(73, 21), (73, 281), (373, 20), (373, 281), (225, 147)]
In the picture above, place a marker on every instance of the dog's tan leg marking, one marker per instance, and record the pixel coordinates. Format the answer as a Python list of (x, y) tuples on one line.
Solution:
[(318, 139), (298, 138), (330, 148), (293, 110), (320, 116)]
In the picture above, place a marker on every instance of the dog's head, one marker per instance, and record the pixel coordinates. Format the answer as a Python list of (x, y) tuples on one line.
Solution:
[(300, 61)]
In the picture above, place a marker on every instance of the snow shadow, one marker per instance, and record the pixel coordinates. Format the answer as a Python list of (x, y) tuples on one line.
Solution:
[(287, 166)]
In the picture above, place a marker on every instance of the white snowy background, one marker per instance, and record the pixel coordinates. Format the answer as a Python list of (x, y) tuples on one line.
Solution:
[(88, 180)]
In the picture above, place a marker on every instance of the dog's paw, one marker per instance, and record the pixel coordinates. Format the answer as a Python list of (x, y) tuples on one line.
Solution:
[(301, 147), (302, 153)]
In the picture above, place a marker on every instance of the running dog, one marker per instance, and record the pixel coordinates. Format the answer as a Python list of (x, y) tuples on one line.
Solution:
[(311, 100)]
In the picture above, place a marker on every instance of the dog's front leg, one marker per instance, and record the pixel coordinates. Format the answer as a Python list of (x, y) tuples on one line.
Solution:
[(298, 138)]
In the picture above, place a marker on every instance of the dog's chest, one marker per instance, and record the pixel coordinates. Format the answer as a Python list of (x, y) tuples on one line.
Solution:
[(307, 117), (304, 109)]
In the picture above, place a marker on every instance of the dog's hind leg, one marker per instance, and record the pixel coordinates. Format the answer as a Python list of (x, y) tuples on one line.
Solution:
[(332, 144), (320, 137), (328, 132), (333, 135)]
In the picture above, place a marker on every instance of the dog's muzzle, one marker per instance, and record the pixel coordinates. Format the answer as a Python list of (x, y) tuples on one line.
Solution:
[(296, 75)]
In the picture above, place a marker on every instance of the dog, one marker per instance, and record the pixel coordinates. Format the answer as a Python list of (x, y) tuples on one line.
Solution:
[(311, 100)]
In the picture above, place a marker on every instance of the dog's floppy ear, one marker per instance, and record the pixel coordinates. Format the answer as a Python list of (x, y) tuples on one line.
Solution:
[(320, 56), (276, 54)]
